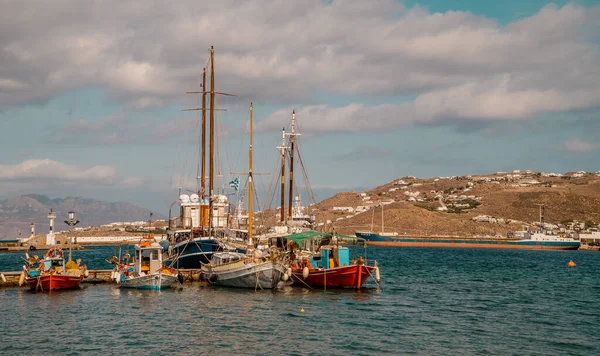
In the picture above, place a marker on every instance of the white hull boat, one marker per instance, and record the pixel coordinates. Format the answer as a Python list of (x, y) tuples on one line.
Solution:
[(156, 281), (233, 269)]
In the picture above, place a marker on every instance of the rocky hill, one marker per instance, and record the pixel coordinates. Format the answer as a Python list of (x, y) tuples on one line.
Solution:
[(16, 214), (498, 203)]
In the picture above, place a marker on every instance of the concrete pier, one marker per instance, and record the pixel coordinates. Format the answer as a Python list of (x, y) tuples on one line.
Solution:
[(37, 243), (96, 276)]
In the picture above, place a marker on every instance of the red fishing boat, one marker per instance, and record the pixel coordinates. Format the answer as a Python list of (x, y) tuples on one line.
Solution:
[(329, 264), (52, 272), (50, 282)]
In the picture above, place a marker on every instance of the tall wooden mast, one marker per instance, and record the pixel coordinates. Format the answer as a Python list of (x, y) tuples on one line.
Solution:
[(291, 187), (203, 171), (212, 110), (212, 124), (282, 149), (250, 242)]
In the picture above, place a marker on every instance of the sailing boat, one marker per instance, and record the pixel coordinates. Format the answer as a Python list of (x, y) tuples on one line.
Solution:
[(295, 219), (251, 269), (191, 235), (372, 235)]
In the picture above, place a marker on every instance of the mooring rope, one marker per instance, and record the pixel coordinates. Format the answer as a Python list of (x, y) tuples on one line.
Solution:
[(376, 282)]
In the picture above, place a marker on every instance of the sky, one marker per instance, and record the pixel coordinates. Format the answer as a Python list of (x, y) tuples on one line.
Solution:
[(92, 92)]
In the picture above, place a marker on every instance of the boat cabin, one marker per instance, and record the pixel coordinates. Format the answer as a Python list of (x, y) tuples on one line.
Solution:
[(56, 263), (330, 257), (226, 257), (148, 257)]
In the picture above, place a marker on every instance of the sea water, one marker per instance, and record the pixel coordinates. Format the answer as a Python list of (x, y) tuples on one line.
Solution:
[(431, 301)]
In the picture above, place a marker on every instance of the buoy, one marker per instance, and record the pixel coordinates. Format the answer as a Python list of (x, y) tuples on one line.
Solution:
[(302, 310), (26, 256), (22, 278), (377, 275), (285, 277), (118, 278), (2, 278), (305, 272), (571, 264), (86, 273), (112, 275), (289, 271)]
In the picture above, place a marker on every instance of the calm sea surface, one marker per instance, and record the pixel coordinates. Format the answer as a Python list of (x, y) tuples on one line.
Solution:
[(434, 301)]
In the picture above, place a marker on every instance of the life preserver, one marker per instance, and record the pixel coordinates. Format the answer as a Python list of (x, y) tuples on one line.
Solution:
[(55, 252)]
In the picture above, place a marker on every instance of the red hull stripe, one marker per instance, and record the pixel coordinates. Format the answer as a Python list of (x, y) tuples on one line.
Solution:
[(339, 277), (53, 282)]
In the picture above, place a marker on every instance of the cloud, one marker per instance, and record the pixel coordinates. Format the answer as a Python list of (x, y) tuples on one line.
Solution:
[(123, 129), (455, 63), (36, 173), (41, 169), (498, 98), (114, 129), (349, 118), (577, 144)]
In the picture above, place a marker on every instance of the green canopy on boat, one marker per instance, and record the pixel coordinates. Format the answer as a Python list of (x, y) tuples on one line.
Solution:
[(323, 238), (350, 240)]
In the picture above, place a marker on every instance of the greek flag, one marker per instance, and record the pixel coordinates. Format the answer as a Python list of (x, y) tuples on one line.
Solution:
[(235, 184)]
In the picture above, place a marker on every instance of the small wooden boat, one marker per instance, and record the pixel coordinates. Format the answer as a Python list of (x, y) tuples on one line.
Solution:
[(329, 265), (51, 272), (146, 271), (243, 270)]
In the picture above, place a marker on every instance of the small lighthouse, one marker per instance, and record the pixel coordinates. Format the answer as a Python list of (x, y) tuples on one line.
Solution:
[(32, 225), (50, 236)]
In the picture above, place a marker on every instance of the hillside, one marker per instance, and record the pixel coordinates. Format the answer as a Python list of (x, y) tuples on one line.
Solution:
[(16, 214), (491, 204)]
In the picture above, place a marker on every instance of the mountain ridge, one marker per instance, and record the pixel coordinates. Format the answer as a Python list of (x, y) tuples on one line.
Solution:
[(17, 213), (492, 204)]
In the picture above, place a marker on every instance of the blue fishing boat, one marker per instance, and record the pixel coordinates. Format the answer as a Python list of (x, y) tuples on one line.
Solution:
[(191, 252)]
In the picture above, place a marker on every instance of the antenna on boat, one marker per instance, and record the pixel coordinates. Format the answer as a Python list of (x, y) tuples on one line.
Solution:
[(149, 224), (382, 218), (541, 217), (250, 242)]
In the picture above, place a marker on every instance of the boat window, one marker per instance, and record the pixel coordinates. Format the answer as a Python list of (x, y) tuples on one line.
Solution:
[(57, 262), (154, 255)]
